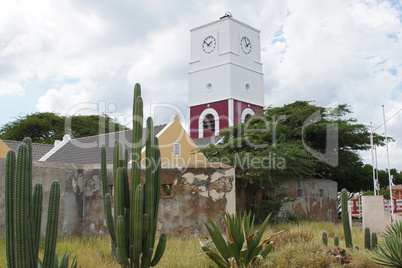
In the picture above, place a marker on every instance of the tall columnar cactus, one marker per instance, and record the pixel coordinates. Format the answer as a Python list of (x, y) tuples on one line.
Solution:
[(10, 189), (132, 228), (345, 219), (367, 238), (23, 212), (324, 238)]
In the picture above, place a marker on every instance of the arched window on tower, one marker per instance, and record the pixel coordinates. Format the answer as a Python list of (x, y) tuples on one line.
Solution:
[(208, 123), (248, 116)]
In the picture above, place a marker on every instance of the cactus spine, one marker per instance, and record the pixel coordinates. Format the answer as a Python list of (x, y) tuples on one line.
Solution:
[(336, 241), (324, 238), (374, 241), (132, 228), (23, 212), (345, 219), (367, 238)]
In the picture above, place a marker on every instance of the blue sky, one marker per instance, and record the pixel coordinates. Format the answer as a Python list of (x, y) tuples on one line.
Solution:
[(71, 56)]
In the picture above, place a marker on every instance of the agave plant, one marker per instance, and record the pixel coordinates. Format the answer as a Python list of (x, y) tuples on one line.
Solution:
[(242, 247), (63, 263), (390, 252)]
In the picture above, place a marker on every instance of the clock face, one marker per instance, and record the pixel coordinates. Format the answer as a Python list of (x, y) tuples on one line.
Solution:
[(245, 45), (209, 44)]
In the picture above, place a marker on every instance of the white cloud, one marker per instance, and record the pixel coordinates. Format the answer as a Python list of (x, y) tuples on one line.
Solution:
[(347, 51), (11, 88), (67, 96), (322, 50)]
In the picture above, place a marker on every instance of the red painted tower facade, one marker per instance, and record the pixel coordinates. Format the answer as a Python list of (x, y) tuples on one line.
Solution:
[(225, 78)]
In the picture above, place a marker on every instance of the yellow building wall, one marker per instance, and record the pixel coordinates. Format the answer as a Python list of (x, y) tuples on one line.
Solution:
[(3, 149), (190, 153)]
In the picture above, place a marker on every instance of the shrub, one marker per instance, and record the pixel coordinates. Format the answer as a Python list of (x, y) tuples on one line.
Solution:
[(264, 207)]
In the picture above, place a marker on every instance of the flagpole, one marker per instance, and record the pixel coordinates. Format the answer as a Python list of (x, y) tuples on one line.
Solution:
[(376, 171), (389, 170), (372, 156)]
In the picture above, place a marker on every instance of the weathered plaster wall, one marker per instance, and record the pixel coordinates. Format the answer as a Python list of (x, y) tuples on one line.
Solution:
[(317, 198), (196, 195), (71, 182)]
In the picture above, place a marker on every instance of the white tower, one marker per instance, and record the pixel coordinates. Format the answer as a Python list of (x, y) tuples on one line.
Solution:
[(225, 78)]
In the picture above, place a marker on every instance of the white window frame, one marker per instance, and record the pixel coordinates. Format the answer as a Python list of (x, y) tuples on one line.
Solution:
[(175, 145), (201, 120), (246, 112)]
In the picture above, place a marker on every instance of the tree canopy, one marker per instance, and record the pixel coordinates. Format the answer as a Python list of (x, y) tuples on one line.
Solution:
[(298, 140), (48, 127)]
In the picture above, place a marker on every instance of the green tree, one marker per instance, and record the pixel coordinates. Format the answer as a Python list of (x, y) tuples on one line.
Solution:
[(48, 127), (382, 179), (287, 139)]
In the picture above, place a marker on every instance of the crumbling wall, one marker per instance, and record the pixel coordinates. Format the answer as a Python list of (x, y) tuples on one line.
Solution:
[(312, 198), (196, 194), (71, 181)]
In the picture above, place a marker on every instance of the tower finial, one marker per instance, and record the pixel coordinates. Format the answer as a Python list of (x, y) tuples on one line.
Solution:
[(227, 15)]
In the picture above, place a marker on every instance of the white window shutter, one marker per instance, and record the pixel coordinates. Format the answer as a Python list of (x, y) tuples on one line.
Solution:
[(177, 149)]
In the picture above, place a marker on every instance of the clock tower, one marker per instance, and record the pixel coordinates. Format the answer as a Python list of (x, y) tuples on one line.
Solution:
[(225, 77)]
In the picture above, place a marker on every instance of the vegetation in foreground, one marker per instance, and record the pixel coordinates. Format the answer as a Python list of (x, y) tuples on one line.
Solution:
[(136, 209), (299, 245), (389, 253), (24, 210)]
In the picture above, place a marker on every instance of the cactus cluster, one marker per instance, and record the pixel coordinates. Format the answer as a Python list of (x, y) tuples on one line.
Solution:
[(132, 228), (24, 211), (346, 224), (370, 239)]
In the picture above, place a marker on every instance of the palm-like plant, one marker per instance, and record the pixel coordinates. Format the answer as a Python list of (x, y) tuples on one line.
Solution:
[(242, 247), (390, 252)]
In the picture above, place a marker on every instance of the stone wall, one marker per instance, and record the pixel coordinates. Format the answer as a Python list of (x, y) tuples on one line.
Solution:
[(312, 198), (196, 194)]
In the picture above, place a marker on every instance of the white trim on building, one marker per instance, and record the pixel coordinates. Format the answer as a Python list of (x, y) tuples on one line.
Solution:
[(201, 119), (246, 112)]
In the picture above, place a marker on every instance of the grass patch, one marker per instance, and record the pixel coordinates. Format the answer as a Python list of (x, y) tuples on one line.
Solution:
[(299, 246)]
